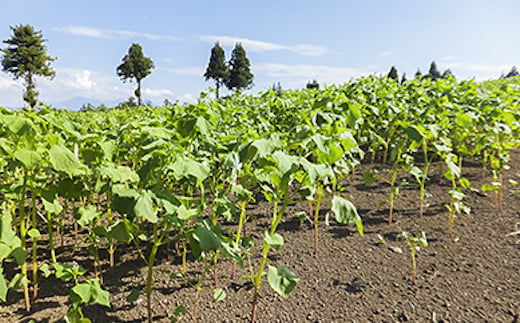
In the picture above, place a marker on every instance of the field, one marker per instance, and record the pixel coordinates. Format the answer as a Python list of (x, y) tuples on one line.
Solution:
[(295, 206)]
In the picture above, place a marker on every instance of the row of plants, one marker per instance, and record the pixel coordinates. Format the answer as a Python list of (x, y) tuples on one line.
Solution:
[(149, 177)]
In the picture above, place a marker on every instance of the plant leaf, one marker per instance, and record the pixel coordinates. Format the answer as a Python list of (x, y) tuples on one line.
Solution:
[(346, 213), (282, 280)]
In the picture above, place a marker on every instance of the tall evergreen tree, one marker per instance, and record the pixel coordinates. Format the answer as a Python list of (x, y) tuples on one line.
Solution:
[(403, 79), (26, 57), (217, 69), (512, 73), (434, 72), (418, 74), (135, 66), (313, 85), (393, 74), (240, 76)]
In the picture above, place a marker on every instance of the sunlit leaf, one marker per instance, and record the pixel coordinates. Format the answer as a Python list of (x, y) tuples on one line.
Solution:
[(282, 280)]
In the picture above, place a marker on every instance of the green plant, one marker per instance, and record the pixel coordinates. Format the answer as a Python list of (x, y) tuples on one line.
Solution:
[(413, 244)]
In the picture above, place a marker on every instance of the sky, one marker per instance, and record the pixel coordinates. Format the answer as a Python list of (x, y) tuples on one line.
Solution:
[(286, 41)]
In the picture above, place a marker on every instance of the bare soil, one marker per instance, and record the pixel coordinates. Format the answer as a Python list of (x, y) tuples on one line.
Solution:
[(469, 275)]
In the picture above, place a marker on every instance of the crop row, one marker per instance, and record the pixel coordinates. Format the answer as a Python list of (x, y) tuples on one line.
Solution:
[(150, 176)]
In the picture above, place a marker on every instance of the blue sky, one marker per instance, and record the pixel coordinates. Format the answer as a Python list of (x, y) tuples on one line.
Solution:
[(291, 42)]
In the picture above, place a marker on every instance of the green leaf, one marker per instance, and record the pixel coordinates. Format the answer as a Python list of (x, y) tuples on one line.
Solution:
[(100, 231), (414, 133), (99, 295), (179, 310), (276, 240), (134, 294), (241, 192), (184, 213), (119, 231), (86, 214), (207, 239), (144, 207), (183, 167), (53, 207), (369, 177), (91, 291), (282, 280), (84, 291), (219, 294), (19, 255), (29, 158), (487, 187), (120, 174), (464, 182), (45, 270), (345, 212), (3, 286), (63, 160), (33, 233)]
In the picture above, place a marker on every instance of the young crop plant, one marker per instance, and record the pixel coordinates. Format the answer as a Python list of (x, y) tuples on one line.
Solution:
[(456, 205), (414, 243), (275, 175)]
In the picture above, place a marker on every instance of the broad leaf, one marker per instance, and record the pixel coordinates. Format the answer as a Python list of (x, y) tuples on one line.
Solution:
[(275, 240), (282, 280), (346, 213), (144, 207), (63, 160)]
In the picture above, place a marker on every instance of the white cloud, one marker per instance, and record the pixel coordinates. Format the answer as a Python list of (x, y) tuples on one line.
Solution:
[(302, 73), (111, 34), (157, 93), (73, 82), (262, 46), (186, 98)]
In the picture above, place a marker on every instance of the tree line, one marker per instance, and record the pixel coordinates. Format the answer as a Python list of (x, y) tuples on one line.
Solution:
[(26, 57)]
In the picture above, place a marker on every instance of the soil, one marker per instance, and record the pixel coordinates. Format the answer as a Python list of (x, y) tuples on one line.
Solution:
[(469, 275)]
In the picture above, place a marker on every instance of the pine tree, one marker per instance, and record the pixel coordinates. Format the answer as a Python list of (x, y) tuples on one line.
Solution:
[(26, 57), (434, 73), (313, 85), (512, 73), (217, 69), (418, 74), (403, 79), (240, 76), (135, 66), (393, 74), (277, 87)]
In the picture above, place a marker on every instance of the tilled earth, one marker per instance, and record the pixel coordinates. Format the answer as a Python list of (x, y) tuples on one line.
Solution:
[(469, 275)]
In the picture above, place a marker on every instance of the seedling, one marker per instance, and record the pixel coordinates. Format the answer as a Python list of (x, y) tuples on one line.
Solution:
[(414, 243)]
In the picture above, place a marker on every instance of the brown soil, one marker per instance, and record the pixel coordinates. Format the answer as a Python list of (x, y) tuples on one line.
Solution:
[(470, 275)]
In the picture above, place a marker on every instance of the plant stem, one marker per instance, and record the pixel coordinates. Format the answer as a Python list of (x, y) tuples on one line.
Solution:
[(392, 194), (238, 237), (319, 195), (34, 225), (422, 189), (50, 232), (277, 217), (149, 277), (23, 233), (414, 266), (198, 289)]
